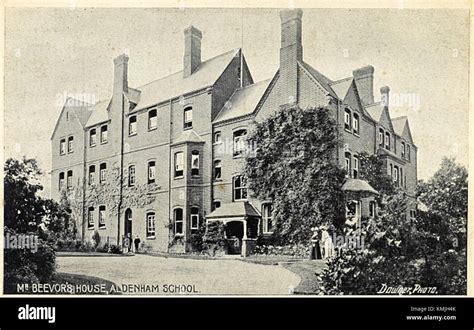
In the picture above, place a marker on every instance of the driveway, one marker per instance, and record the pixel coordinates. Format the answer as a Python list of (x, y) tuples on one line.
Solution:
[(205, 277)]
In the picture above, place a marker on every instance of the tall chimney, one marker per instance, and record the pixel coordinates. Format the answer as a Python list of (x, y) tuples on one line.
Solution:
[(120, 75), (291, 52), (364, 80), (192, 50), (385, 96)]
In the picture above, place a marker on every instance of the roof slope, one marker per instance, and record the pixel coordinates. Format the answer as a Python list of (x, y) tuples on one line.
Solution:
[(341, 87), (357, 185), (375, 111), (236, 209), (399, 124), (319, 77), (243, 102), (99, 114), (188, 136), (174, 85), (79, 109)]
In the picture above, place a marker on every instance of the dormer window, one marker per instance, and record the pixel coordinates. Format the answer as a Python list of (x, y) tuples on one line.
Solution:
[(387, 140), (188, 118), (355, 123), (381, 136), (92, 138)]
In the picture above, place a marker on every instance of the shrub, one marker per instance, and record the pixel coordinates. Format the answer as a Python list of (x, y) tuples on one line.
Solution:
[(115, 249), (195, 243), (95, 240), (214, 241)]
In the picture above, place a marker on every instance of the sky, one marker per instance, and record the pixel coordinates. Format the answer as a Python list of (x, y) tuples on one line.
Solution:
[(422, 54)]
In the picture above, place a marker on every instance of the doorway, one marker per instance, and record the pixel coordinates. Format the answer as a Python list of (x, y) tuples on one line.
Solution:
[(234, 232)]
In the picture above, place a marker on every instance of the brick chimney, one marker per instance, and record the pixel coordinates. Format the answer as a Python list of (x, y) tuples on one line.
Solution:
[(120, 75), (364, 80), (291, 52), (192, 50), (385, 96)]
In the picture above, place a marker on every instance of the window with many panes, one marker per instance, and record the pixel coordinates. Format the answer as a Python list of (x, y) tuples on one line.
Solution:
[(188, 118), (195, 163), (102, 216), (194, 218), (267, 218), (151, 172), (239, 142), (178, 221), (131, 176), (150, 225), (178, 164), (132, 125), (240, 188)]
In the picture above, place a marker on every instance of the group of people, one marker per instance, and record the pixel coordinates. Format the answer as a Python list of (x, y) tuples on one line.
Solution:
[(128, 243)]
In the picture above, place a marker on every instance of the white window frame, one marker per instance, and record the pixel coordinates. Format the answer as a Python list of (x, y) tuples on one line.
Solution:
[(70, 144), (178, 164), (355, 123), (151, 171), (242, 188), (132, 175), (194, 218), (92, 137), (132, 125), (267, 216), (195, 163), (388, 141), (62, 147), (355, 169), (102, 216), (91, 175), (239, 142), (152, 120), (217, 165), (180, 221), (104, 134), (150, 225), (90, 218), (217, 137), (69, 179), (381, 137), (188, 118), (61, 181), (102, 173)]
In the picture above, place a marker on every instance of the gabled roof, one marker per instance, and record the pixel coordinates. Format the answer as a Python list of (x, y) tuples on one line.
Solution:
[(341, 87), (79, 110), (175, 85), (236, 209), (375, 111), (399, 124), (319, 77), (360, 186), (99, 114), (188, 136), (243, 102)]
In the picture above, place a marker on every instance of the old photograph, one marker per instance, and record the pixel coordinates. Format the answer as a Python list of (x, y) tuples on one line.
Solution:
[(280, 151)]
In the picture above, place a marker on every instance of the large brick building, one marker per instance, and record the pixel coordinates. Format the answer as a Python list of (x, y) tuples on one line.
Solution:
[(159, 159)]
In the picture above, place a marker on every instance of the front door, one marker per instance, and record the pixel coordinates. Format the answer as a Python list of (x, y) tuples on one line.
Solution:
[(128, 228), (234, 233)]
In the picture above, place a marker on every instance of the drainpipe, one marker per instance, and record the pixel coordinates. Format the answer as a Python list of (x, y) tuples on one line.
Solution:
[(119, 207), (170, 174), (84, 183)]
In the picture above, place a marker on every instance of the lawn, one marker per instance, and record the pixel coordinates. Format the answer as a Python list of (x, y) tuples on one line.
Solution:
[(308, 271)]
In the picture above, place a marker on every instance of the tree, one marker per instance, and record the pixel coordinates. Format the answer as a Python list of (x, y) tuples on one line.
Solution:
[(374, 171), (294, 165)]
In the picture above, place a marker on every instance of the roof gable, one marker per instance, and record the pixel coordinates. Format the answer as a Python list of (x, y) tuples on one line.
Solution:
[(385, 120), (341, 87), (79, 110), (402, 128), (318, 77), (99, 114)]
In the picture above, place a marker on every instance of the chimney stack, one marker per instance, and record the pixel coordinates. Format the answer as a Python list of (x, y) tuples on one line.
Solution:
[(364, 80), (385, 96), (291, 52), (192, 50), (120, 75)]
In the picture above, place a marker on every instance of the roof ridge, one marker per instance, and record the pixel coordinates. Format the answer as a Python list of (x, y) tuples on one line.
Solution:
[(399, 118), (340, 80)]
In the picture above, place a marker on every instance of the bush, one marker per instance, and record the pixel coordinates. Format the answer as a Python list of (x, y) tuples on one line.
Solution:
[(195, 243), (95, 240), (115, 249), (214, 241)]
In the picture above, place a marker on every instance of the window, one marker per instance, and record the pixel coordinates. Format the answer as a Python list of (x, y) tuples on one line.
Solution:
[(217, 137), (102, 216), (104, 134), (381, 135), (387, 140), (391, 171), (70, 144), (347, 157), (216, 205), (188, 118), (103, 172), (240, 188), (92, 138), (408, 152), (239, 142), (150, 225), (403, 149), (347, 119), (217, 170), (178, 164), (61, 181), (152, 119), (372, 209), (396, 177), (401, 177), (69, 180), (355, 123), (355, 170), (178, 221), (195, 163), (91, 175), (151, 172), (132, 125), (62, 147), (194, 218), (353, 210), (90, 217), (131, 176), (267, 218)]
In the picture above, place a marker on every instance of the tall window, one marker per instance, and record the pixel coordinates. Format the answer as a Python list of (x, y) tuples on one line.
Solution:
[(267, 218), (92, 138), (403, 149), (391, 171), (353, 210), (152, 119), (178, 221), (381, 136), (70, 144), (239, 141), (69, 180), (355, 123), (61, 181), (408, 151), (372, 209), (194, 218), (90, 217), (104, 134), (188, 118), (387, 140), (401, 177), (355, 169), (347, 158), (131, 175), (217, 170), (102, 172), (347, 119), (91, 175), (102, 216), (240, 188), (151, 172), (150, 225), (178, 164), (62, 147), (195, 163), (132, 125), (217, 137), (396, 176)]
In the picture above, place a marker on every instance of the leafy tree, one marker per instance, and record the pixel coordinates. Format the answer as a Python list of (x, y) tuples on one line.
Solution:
[(294, 166), (374, 171)]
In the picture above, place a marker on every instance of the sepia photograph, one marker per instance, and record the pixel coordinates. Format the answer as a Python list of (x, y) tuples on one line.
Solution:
[(281, 151)]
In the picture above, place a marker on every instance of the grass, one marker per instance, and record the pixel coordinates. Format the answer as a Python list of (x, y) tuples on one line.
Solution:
[(308, 271), (269, 259)]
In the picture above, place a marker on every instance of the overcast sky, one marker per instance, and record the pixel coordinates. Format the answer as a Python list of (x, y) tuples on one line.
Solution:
[(421, 54)]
